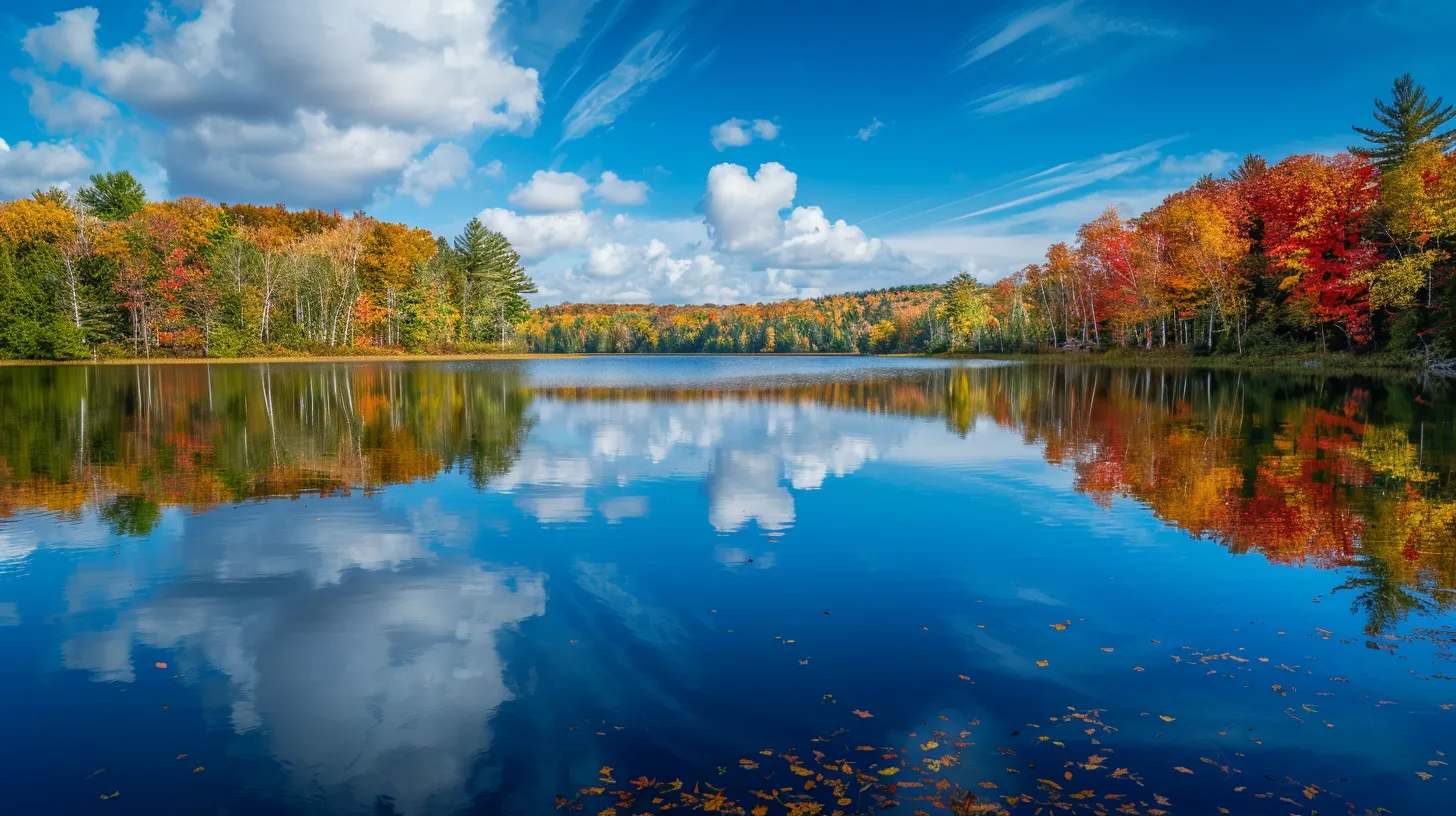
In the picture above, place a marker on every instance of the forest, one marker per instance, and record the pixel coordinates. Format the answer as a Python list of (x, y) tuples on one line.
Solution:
[(1313, 253)]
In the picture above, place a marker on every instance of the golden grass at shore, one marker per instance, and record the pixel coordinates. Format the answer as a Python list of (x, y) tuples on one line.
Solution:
[(333, 358), (409, 358)]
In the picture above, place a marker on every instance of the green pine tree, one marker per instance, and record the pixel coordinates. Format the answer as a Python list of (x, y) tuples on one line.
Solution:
[(113, 196), (1408, 120), (494, 282)]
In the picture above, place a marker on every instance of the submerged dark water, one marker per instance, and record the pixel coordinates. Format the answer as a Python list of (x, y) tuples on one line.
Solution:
[(802, 585)]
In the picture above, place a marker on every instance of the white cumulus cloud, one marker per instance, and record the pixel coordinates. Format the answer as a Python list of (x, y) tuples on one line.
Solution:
[(441, 169), (812, 240), (617, 190), (27, 166), (61, 108), (318, 103), (550, 191), (536, 236), (742, 211), (739, 132)]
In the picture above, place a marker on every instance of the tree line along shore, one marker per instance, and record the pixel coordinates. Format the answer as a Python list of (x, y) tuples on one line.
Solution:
[(1346, 254)]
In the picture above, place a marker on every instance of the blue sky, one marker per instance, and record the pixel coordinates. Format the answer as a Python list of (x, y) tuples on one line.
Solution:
[(640, 150)]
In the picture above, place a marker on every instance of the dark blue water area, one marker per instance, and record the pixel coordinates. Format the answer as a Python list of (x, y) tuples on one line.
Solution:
[(667, 588)]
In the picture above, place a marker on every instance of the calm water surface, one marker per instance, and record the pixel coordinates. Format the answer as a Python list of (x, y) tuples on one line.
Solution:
[(804, 585)]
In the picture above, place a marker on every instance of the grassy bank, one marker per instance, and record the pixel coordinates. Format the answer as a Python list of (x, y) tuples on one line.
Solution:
[(302, 358), (1386, 363)]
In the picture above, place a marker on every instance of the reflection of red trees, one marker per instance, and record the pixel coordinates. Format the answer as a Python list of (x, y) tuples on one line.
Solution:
[(1314, 494)]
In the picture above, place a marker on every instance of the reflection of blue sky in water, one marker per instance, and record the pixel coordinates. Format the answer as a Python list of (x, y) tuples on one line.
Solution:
[(370, 661), (403, 645)]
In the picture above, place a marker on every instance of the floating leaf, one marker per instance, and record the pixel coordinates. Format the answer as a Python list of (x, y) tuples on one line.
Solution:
[(889, 771), (1041, 663), (1181, 769), (1166, 718), (863, 714)]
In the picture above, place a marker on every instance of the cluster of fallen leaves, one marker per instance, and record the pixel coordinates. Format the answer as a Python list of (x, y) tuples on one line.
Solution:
[(1068, 769), (1064, 768)]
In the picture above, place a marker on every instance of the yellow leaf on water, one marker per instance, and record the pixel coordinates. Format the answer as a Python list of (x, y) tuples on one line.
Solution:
[(759, 810), (929, 746), (889, 771), (844, 802), (1166, 718), (1181, 769), (1041, 663)]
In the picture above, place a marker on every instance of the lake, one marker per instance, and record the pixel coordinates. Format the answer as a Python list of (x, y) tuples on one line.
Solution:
[(740, 585)]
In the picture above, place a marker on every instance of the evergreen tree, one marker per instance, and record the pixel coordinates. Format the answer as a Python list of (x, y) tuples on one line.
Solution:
[(509, 284), (1253, 166), (54, 195), (493, 280), (113, 196), (1408, 120)]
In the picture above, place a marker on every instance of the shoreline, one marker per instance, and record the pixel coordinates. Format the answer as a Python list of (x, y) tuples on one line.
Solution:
[(412, 358), (1299, 363), (1387, 364)]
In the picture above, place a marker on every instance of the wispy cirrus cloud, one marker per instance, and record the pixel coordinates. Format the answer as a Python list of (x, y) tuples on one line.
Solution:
[(1044, 33), (610, 96), (1019, 96), (1067, 22), (1020, 26), (1075, 176), (1039, 209)]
